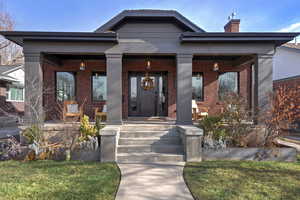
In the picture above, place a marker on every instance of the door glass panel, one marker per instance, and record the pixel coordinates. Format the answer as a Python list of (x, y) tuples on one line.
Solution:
[(133, 93)]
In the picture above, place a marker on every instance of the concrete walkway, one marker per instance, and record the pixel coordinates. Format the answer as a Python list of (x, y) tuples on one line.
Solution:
[(159, 181)]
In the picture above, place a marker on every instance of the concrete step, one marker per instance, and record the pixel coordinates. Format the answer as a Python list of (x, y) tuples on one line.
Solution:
[(165, 148), (147, 127), (145, 134), (149, 141), (149, 157)]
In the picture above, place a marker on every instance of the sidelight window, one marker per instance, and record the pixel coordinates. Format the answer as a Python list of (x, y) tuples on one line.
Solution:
[(99, 83)]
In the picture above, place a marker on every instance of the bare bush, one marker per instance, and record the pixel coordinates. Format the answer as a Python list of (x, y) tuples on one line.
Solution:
[(282, 114)]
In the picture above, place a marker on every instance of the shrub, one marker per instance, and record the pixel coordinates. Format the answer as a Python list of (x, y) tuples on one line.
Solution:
[(212, 126), (86, 129), (32, 134), (232, 125), (236, 117), (98, 125)]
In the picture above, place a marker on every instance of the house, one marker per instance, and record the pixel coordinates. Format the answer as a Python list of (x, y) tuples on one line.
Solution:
[(287, 65), (145, 63), (11, 90), (183, 62)]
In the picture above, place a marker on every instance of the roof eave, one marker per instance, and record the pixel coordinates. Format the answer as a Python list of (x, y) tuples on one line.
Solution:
[(19, 37), (276, 38)]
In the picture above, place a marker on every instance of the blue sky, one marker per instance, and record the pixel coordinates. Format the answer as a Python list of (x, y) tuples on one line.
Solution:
[(211, 15)]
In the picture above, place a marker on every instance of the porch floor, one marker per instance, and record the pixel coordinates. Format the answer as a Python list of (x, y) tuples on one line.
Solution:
[(130, 120)]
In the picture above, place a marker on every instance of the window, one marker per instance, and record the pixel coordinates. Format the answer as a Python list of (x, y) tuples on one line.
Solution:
[(65, 86), (197, 84), (99, 86), (228, 83), (15, 93), (133, 93)]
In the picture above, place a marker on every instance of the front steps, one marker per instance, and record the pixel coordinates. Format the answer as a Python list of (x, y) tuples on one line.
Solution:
[(149, 143)]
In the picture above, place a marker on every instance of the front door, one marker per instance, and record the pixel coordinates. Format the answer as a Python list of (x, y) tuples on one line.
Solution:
[(147, 103)]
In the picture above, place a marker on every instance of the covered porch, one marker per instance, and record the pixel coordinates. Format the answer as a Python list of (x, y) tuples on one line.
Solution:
[(114, 81)]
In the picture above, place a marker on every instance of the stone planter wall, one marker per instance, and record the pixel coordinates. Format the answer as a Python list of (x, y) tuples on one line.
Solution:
[(64, 133), (87, 151), (254, 154)]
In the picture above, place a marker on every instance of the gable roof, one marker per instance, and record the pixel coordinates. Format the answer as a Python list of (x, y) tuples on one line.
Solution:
[(6, 69), (150, 15)]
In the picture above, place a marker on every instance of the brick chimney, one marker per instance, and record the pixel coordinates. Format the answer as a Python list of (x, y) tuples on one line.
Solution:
[(232, 26)]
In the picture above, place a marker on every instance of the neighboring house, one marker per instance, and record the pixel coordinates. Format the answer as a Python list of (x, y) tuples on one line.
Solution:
[(286, 69), (290, 82), (11, 89), (184, 62)]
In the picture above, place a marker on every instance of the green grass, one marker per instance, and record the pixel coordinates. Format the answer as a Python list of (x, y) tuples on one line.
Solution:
[(243, 180), (58, 180)]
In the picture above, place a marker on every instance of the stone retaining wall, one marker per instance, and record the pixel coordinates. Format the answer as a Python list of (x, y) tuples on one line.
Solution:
[(254, 154)]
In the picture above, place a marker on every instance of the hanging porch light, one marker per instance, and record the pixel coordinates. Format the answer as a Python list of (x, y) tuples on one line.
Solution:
[(147, 83), (82, 65), (216, 67)]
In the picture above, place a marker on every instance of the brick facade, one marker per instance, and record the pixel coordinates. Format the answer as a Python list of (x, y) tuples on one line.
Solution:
[(137, 64), (287, 82), (210, 80), (9, 107)]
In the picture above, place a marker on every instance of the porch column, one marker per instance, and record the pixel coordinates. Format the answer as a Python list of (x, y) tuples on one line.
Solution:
[(184, 89), (33, 104), (114, 88), (263, 82)]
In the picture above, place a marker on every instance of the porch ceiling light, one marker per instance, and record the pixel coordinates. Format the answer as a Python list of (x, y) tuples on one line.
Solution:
[(148, 65), (82, 65), (147, 82), (216, 67)]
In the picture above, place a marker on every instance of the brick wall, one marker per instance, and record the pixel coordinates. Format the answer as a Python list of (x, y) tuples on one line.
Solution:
[(9, 107), (287, 82), (210, 80), (137, 64), (83, 86)]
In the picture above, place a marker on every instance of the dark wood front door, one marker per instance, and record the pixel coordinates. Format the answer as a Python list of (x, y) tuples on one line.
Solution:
[(147, 103)]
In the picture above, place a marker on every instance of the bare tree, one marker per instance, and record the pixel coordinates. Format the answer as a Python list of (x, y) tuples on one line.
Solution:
[(10, 53)]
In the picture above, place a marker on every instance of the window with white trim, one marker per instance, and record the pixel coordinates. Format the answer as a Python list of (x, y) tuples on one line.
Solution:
[(14, 93)]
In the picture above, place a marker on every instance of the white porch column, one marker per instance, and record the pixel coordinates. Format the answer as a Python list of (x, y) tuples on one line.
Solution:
[(114, 88), (184, 89), (33, 104), (263, 82)]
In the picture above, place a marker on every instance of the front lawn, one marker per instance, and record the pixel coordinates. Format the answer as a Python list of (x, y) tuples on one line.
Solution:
[(243, 180), (58, 180)]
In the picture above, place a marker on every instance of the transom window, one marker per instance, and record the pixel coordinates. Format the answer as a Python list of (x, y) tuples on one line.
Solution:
[(99, 86), (197, 84), (65, 86), (228, 83), (14, 93)]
